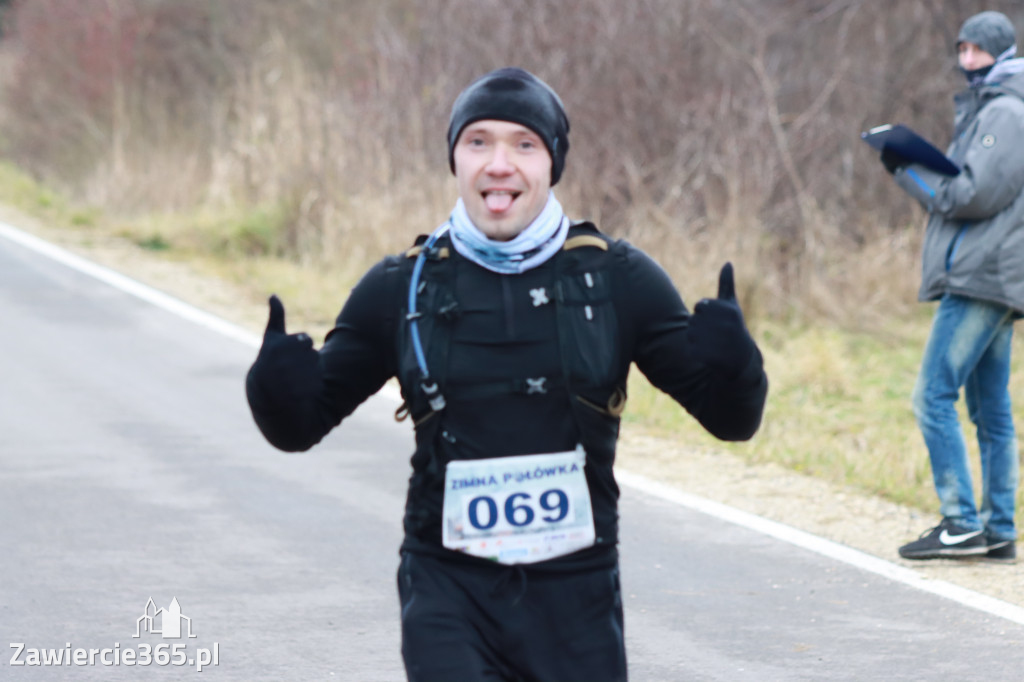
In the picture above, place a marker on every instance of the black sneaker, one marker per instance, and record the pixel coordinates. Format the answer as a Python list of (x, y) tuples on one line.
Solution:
[(1001, 550), (946, 541)]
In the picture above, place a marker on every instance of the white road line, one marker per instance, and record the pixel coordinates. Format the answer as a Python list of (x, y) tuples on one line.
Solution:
[(828, 548), (130, 286), (724, 512)]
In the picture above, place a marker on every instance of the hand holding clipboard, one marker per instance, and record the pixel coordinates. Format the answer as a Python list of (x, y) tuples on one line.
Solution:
[(904, 142)]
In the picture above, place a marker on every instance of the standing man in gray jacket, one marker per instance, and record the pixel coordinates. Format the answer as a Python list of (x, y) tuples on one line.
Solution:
[(973, 264)]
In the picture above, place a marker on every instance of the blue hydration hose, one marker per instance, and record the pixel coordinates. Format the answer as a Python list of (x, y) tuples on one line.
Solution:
[(430, 388)]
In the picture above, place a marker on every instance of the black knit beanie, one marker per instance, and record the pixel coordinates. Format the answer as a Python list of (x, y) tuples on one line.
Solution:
[(513, 94), (991, 31)]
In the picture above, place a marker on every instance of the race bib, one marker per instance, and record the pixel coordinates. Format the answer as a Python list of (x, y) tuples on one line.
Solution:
[(518, 510)]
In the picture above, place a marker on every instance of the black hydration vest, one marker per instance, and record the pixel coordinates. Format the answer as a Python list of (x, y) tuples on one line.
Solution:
[(593, 370)]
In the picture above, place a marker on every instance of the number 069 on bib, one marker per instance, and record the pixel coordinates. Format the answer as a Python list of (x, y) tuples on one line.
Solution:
[(520, 509)]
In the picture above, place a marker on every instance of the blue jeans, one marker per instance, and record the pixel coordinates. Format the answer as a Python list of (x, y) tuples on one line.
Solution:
[(969, 347)]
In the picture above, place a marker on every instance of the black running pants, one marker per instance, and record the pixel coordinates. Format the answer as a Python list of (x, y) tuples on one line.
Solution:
[(468, 622)]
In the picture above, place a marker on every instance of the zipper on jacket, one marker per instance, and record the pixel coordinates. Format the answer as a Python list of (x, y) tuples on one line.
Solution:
[(955, 245), (920, 183), (509, 306)]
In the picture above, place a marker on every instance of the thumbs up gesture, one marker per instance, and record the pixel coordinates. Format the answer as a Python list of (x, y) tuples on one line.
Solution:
[(287, 367), (717, 335)]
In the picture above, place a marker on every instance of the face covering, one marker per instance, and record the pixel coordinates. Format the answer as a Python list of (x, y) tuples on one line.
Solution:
[(977, 76), (1004, 67), (534, 245)]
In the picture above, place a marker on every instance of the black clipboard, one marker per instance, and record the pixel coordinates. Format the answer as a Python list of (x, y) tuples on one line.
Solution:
[(911, 146)]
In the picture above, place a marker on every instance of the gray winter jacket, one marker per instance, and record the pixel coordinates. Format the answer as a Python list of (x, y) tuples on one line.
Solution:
[(974, 243)]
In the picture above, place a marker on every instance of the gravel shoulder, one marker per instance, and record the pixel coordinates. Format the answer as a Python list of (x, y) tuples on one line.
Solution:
[(869, 524), (864, 522)]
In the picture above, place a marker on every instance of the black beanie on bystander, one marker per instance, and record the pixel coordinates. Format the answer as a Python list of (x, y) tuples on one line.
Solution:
[(991, 31)]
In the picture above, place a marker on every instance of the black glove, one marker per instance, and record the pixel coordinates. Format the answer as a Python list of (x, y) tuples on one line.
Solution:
[(893, 161), (717, 335), (287, 367)]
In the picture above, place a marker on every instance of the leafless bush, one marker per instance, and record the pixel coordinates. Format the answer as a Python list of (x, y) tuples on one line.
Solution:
[(710, 128)]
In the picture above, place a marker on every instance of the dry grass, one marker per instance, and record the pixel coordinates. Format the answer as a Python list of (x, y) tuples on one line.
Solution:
[(838, 323), (838, 409)]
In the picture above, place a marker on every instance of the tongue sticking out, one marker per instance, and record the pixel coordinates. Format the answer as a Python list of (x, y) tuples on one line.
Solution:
[(498, 202)]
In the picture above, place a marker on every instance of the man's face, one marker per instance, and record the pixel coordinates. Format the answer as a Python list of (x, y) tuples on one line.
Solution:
[(973, 57), (503, 172)]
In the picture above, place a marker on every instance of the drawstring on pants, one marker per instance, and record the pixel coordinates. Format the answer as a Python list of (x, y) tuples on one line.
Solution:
[(516, 571)]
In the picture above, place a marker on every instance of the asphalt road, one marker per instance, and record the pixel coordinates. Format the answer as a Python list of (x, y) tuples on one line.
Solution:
[(130, 469)]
